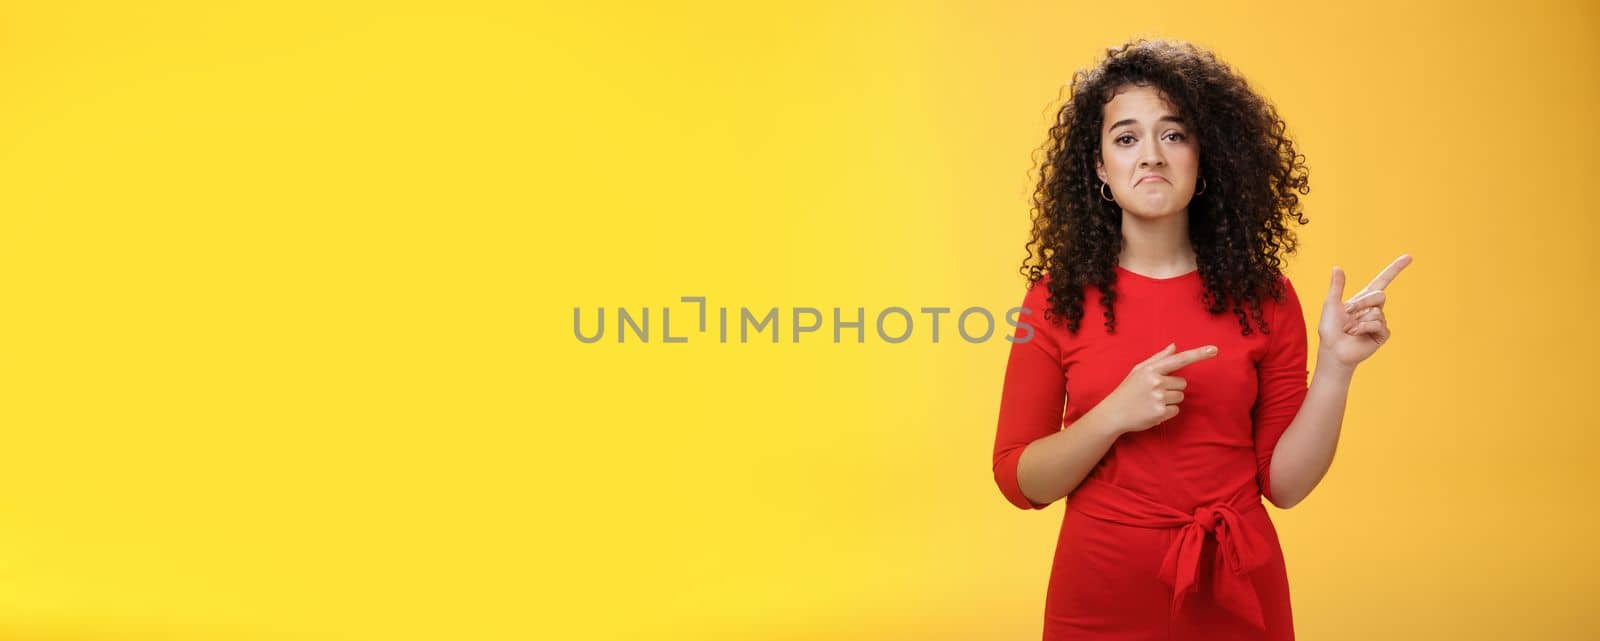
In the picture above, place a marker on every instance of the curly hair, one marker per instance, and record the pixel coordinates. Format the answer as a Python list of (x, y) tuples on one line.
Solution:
[(1238, 225)]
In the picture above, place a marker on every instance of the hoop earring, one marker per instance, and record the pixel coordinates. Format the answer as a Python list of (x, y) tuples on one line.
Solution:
[(1202, 186), (1103, 195)]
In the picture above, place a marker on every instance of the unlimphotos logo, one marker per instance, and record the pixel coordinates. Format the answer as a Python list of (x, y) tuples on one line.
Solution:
[(893, 324)]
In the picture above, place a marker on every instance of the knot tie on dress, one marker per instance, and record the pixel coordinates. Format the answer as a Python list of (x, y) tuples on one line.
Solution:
[(1240, 548)]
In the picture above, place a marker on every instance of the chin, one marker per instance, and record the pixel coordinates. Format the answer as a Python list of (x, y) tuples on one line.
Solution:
[(1155, 215)]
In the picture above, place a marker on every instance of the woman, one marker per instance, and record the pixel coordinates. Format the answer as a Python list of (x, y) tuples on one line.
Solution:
[(1168, 188)]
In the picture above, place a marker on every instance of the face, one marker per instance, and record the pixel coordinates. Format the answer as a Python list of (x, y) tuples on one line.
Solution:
[(1143, 136)]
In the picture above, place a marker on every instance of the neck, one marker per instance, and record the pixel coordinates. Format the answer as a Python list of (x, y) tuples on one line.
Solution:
[(1157, 247)]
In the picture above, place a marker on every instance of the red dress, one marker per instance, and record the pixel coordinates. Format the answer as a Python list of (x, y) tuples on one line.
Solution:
[(1167, 537)]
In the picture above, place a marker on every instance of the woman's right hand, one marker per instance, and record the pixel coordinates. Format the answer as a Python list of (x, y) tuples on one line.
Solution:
[(1150, 394)]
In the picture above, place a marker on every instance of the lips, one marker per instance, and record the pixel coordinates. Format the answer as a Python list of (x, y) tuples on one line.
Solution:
[(1152, 177)]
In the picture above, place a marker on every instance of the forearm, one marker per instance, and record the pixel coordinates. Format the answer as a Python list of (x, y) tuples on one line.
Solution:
[(1305, 451), (1051, 467)]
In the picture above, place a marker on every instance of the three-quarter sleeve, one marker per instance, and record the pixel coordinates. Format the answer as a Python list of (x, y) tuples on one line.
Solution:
[(1281, 382), (1033, 394)]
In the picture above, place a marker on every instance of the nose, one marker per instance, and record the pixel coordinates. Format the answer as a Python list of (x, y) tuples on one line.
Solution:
[(1150, 155)]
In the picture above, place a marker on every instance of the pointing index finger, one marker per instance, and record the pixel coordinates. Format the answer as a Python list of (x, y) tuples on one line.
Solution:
[(1383, 279), (1169, 364)]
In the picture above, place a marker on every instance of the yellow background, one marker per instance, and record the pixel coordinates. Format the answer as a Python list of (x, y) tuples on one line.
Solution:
[(287, 290)]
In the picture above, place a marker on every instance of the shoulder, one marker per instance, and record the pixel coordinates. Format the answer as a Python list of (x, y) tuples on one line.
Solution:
[(1039, 294), (1037, 304), (1286, 285), (1038, 291), (1285, 310)]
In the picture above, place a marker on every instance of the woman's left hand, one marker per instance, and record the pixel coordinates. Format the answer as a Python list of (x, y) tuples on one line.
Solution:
[(1352, 330)]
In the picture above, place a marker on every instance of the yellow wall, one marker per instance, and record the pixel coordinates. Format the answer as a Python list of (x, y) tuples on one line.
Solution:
[(287, 351)]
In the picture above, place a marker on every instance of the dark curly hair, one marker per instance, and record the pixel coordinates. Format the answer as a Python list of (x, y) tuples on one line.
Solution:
[(1238, 226)]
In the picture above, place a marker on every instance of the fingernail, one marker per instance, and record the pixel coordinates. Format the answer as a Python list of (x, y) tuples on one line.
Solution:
[(1211, 350)]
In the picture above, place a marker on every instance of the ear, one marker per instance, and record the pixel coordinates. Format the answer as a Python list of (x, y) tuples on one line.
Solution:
[(1099, 167)]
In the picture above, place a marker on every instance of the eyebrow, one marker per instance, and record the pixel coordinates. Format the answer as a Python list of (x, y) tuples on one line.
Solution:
[(1129, 121)]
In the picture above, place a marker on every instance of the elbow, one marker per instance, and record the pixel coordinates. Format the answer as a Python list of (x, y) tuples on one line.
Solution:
[(1022, 502), (1005, 477), (1275, 495), (1012, 491), (1295, 498), (1284, 501)]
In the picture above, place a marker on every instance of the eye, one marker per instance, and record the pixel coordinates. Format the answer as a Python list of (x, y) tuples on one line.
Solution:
[(1180, 136), (1119, 138)]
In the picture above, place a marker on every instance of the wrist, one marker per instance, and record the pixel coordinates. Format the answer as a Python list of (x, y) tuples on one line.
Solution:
[(1097, 423), (1329, 366)]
